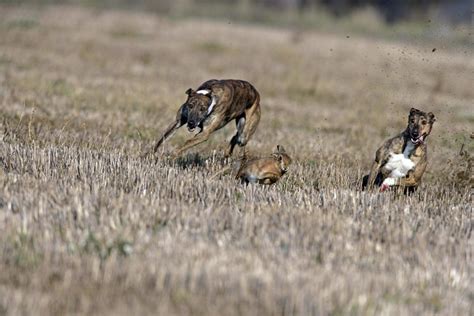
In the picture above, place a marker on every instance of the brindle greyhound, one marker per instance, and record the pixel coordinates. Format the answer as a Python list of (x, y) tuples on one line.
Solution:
[(402, 160), (214, 104)]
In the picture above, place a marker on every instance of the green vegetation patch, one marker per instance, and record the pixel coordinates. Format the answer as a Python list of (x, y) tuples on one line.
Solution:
[(22, 24)]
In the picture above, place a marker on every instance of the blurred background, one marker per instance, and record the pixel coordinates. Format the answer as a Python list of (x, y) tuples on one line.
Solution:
[(448, 12)]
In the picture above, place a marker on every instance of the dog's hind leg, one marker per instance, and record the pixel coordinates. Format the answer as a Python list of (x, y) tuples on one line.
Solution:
[(252, 118), (240, 122), (365, 182), (377, 182)]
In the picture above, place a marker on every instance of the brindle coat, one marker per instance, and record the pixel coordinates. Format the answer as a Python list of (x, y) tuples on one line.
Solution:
[(214, 104), (265, 170), (419, 127)]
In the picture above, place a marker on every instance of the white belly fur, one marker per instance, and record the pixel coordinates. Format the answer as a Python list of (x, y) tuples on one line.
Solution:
[(400, 164)]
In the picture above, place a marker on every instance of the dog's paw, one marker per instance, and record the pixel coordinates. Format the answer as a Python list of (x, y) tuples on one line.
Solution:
[(387, 183), (384, 187)]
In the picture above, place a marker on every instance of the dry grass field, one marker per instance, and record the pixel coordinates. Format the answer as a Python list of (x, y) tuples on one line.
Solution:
[(89, 227)]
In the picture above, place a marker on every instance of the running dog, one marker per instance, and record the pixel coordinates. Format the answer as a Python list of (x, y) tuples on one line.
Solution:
[(401, 161), (214, 104)]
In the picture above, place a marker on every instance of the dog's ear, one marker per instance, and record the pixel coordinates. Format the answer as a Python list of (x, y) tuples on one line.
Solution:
[(413, 111), (183, 114), (431, 117), (189, 92)]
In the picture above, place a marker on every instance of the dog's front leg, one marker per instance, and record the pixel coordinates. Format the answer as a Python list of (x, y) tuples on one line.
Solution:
[(408, 181), (413, 178), (198, 139)]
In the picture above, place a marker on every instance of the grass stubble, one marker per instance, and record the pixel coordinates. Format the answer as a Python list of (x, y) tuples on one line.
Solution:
[(89, 227)]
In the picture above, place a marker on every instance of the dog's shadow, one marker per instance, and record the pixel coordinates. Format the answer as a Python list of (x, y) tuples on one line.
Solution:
[(193, 160), (196, 160)]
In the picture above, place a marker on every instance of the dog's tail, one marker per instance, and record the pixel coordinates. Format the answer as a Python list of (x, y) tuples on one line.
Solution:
[(169, 131)]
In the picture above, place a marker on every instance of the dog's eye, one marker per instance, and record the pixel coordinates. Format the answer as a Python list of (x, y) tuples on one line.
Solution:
[(423, 122)]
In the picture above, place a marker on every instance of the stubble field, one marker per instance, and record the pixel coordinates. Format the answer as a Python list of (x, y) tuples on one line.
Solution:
[(89, 227)]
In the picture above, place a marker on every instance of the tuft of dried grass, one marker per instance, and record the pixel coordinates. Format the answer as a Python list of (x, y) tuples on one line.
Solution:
[(460, 170)]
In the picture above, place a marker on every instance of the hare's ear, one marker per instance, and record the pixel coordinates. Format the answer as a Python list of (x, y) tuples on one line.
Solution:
[(431, 117), (189, 92), (275, 150), (278, 149)]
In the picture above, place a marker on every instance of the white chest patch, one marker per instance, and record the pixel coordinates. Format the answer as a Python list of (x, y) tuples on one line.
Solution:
[(400, 164)]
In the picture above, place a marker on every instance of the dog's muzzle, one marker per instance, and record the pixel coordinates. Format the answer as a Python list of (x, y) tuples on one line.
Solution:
[(191, 126)]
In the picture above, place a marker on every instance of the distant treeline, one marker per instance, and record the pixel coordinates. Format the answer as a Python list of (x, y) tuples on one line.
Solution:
[(391, 11)]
